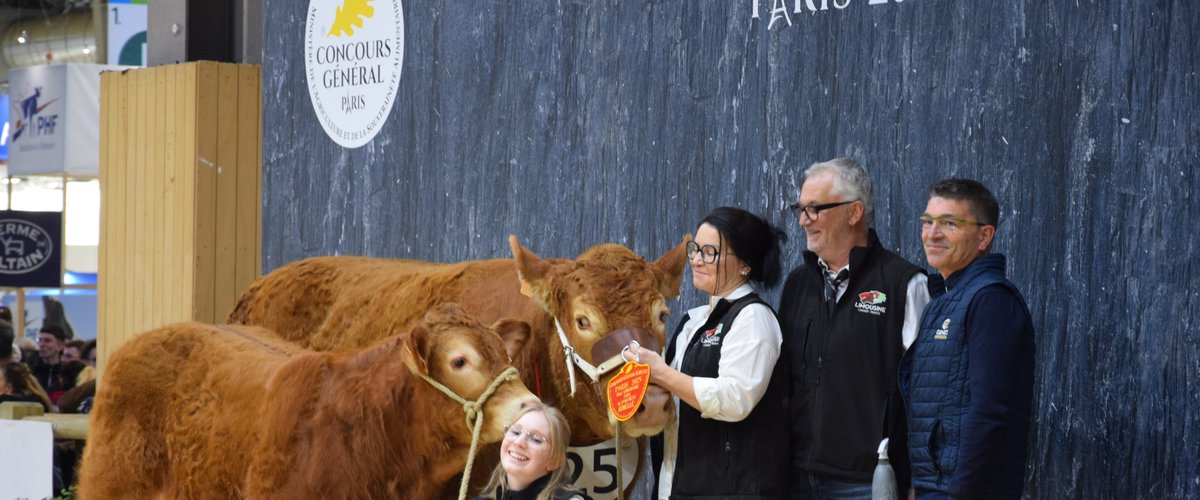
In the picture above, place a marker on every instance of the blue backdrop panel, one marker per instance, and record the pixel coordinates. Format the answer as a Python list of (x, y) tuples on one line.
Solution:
[(30, 249), (572, 123)]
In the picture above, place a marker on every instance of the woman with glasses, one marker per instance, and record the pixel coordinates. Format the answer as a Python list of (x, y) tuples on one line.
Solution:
[(532, 459), (730, 438)]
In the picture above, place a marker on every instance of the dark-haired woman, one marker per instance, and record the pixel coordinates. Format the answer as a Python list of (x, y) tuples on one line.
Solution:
[(730, 438), (18, 384)]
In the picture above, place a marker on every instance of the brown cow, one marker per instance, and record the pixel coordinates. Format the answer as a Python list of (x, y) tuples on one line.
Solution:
[(329, 303), (199, 411)]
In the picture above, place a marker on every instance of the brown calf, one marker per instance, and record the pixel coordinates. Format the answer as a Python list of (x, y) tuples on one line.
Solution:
[(199, 411)]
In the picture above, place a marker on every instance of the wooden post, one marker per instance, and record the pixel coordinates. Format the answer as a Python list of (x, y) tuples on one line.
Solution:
[(180, 178)]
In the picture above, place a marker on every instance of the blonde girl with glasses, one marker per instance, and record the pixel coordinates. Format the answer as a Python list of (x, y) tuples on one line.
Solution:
[(533, 456)]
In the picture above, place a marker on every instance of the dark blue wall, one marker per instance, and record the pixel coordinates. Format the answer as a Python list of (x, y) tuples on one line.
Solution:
[(571, 123)]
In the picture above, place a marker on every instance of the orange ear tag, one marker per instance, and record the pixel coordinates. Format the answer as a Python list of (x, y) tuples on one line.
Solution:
[(627, 388)]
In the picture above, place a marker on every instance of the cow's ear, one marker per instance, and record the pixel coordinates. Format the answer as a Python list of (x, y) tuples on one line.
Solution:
[(416, 350), (514, 333), (669, 268), (532, 271)]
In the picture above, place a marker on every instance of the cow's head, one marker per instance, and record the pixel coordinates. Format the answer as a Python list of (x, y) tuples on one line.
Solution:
[(466, 356), (607, 289)]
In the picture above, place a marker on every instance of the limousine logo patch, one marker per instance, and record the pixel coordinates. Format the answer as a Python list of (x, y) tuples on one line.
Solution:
[(871, 302), (712, 337)]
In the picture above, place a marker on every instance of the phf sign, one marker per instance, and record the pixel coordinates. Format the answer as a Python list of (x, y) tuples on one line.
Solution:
[(54, 119), (30, 249)]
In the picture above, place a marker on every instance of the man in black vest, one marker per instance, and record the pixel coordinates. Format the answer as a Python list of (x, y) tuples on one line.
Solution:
[(847, 316)]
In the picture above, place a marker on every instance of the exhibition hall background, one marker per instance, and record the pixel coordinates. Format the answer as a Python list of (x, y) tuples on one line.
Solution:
[(575, 123)]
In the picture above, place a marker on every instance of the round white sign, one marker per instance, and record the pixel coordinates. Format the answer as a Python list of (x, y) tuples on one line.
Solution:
[(353, 52)]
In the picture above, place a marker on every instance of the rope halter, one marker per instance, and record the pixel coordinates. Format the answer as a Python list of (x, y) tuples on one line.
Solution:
[(474, 411)]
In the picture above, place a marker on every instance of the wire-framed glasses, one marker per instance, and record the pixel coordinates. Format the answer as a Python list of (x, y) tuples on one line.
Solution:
[(947, 223), (514, 432)]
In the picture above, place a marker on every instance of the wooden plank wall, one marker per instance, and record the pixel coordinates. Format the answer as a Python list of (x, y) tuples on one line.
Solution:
[(180, 181)]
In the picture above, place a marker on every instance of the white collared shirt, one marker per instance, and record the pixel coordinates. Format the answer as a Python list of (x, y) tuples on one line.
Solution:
[(748, 355)]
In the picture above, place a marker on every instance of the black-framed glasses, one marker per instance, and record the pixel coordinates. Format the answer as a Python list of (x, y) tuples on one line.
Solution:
[(947, 223), (514, 432), (814, 211), (708, 253)]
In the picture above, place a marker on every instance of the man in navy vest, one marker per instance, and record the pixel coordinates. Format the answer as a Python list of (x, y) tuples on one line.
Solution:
[(847, 315), (968, 379)]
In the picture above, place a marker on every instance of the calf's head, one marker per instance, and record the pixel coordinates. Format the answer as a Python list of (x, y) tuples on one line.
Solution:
[(465, 356), (607, 291)]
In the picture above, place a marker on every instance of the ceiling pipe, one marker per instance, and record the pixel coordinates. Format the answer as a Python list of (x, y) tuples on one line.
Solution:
[(68, 38)]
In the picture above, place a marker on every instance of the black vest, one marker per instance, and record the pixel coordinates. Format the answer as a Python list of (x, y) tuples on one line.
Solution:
[(843, 367), (716, 459)]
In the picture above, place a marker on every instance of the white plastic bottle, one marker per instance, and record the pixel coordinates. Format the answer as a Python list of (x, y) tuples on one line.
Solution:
[(883, 484)]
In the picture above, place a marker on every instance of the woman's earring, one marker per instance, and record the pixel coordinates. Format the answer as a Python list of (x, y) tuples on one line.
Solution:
[(745, 272)]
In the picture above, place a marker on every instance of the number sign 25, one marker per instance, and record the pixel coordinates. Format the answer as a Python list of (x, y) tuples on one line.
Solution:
[(594, 468)]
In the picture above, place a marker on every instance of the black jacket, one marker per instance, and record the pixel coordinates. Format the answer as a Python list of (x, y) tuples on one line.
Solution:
[(843, 367), (530, 492)]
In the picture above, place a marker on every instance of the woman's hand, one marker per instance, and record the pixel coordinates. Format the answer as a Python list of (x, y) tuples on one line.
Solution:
[(639, 354), (662, 375)]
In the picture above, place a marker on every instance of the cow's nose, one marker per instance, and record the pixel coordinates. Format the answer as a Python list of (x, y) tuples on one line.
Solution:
[(655, 407)]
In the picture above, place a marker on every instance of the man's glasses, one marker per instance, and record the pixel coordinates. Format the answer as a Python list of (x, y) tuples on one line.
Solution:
[(814, 211), (708, 253), (947, 223), (515, 431)]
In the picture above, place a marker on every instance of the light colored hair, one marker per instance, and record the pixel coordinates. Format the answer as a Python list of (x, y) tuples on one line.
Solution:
[(560, 436), (25, 384), (86, 374), (850, 180)]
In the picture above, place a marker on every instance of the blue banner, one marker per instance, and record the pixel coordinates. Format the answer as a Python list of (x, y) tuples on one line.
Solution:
[(4, 100)]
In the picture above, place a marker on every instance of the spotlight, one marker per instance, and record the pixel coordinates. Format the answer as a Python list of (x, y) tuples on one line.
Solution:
[(21, 37)]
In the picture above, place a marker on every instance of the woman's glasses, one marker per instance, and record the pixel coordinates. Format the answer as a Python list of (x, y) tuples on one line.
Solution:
[(708, 253), (515, 431)]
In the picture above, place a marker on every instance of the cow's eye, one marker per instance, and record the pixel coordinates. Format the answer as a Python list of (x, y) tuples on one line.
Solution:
[(458, 362), (583, 323), (662, 317)]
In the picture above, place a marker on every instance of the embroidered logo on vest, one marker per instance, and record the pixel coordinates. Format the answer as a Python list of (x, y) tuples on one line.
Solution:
[(869, 302), (943, 332), (712, 337)]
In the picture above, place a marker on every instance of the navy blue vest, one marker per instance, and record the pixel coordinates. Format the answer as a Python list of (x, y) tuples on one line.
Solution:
[(933, 374)]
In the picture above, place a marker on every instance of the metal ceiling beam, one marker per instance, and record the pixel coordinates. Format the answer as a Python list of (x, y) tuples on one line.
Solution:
[(193, 30)]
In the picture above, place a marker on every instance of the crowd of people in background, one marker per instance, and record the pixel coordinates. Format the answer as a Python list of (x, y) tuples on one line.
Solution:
[(57, 372)]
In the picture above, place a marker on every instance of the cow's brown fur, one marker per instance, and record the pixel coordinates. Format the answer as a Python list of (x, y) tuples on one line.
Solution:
[(198, 411), (330, 303)]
